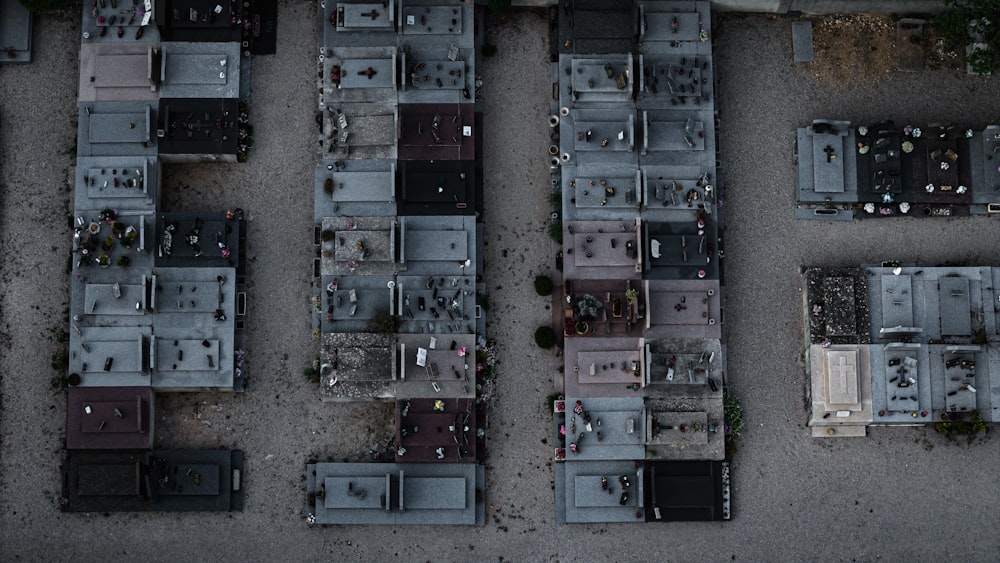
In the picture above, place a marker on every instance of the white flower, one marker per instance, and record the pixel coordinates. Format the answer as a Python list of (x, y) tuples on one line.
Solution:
[(869, 207)]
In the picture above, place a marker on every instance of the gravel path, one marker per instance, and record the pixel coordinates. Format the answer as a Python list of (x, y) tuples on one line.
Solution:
[(893, 495)]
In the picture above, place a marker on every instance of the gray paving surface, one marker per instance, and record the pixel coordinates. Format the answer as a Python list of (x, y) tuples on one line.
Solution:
[(894, 495)]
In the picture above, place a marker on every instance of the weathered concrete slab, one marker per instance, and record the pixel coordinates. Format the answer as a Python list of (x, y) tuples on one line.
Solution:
[(15, 32), (802, 42)]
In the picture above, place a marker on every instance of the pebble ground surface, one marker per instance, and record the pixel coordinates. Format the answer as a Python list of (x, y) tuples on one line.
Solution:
[(897, 494)]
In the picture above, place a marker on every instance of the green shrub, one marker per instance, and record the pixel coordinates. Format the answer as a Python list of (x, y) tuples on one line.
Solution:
[(60, 360), (311, 372), (969, 428), (556, 231), (543, 285), (954, 27), (733, 414), (545, 337)]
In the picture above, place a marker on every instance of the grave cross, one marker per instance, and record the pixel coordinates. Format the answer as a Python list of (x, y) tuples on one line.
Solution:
[(372, 14), (829, 153)]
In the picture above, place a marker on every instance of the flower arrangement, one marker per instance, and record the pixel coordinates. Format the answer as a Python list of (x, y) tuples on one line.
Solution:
[(109, 214), (486, 361), (238, 370), (88, 242), (245, 133)]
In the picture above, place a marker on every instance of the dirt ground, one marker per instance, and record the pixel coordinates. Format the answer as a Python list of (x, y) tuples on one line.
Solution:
[(865, 49), (854, 48)]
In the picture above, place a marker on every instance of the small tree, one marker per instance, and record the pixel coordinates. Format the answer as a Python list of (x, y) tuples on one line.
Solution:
[(968, 22), (543, 285), (545, 337)]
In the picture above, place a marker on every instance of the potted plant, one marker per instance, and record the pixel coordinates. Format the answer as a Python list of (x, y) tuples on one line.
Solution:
[(103, 260), (327, 235), (582, 327), (588, 305), (124, 261), (569, 326), (328, 185), (129, 238), (108, 244)]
